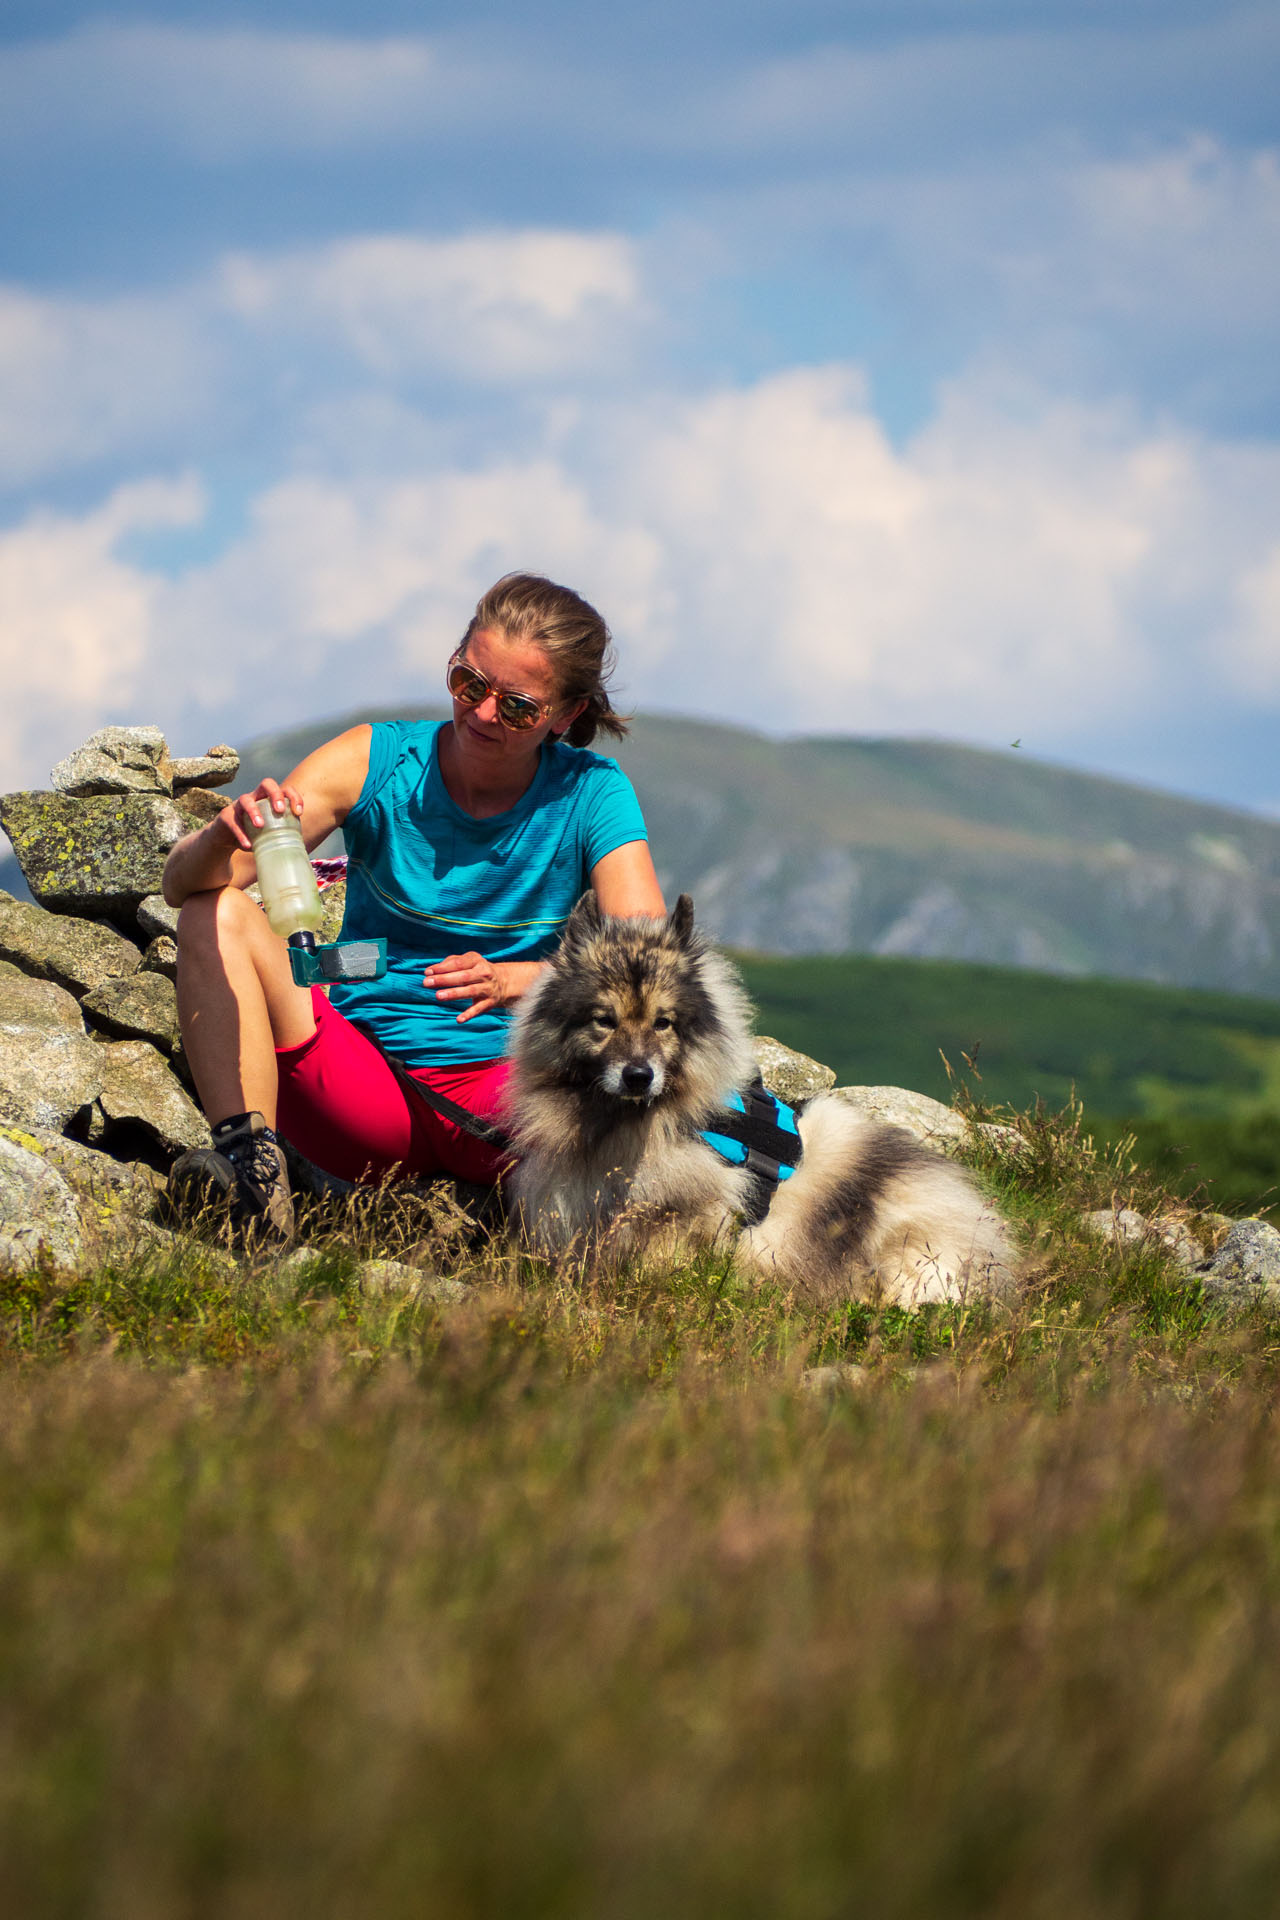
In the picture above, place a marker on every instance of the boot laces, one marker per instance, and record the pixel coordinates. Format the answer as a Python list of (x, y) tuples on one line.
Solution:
[(254, 1159)]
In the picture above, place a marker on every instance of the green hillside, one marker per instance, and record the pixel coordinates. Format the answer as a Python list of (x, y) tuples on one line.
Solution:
[(1195, 1076)]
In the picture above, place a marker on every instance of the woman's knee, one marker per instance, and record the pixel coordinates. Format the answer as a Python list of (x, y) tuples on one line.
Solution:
[(224, 915)]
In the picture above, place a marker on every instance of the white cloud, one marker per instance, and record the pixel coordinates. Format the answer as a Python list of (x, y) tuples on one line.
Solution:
[(77, 636), (81, 380), (254, 346), (493, 306), (1037, 570)]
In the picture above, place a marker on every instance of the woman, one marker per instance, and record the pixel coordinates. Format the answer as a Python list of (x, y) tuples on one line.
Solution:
[(480, 830)]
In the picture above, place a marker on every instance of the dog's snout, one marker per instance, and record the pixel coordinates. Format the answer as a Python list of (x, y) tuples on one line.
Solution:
[(637, 1077)]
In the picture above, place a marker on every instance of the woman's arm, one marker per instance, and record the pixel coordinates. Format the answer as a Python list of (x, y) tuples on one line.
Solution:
[(624, 883), (322, 789)]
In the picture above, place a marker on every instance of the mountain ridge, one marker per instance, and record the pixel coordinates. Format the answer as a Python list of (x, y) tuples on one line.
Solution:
[(930, 849)]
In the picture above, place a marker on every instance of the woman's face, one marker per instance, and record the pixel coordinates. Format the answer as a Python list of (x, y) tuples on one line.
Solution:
[(512, 666)]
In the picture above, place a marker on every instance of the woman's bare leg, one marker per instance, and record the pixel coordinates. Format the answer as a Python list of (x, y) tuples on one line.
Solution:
[(237, 1003)]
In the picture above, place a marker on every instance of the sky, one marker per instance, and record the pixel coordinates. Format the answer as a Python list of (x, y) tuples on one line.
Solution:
[(876, 368)]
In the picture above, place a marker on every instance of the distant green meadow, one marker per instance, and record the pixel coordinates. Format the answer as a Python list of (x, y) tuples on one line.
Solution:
[(1194, 1076)]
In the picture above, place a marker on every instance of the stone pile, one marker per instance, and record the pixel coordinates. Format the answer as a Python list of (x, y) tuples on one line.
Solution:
[(95, 1097)]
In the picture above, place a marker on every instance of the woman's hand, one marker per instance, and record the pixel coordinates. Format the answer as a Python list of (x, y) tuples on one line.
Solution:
[(485, 983), (247, 810)]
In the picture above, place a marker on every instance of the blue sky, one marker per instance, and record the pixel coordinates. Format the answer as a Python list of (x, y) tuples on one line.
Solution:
[(875, 368)]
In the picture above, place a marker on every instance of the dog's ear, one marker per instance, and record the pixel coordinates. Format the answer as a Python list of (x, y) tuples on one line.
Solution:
[(585, 920), (680, 920)]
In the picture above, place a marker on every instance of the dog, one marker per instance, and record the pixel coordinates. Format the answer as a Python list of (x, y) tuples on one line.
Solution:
[(625, 1052)]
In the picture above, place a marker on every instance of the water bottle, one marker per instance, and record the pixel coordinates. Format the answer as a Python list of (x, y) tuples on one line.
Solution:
[(286, 879)]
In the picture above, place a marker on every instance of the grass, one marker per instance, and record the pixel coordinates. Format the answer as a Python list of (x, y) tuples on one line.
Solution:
[(584, 1598)]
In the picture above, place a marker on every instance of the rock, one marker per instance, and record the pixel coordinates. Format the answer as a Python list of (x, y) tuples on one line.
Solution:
[(139, 1092), (201, 805), (50, 1071), (94, 1177), (162, 957), (835, 1380), (156, 916), (144, 1007), (76, 954), (114, 1199), (39, 1217), (101, 856), (791, 1076), (116, 760), (393, 1276), (333, 902), (926, 1118), (1247, 1265), (1123, 1224), (213, 769)]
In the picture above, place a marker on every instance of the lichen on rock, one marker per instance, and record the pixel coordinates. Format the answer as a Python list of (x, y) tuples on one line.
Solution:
[(101, 855), (143, 1007), (75, 953)]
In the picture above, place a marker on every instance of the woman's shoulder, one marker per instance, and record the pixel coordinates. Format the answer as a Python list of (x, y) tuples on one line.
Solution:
[(407, 735), (580, 767), (400, 751)]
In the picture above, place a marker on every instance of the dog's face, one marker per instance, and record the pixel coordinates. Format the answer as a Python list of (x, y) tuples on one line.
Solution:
[(628, 1001)]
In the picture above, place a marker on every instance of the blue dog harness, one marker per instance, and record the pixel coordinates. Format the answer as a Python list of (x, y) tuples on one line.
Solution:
[(757, 1131)]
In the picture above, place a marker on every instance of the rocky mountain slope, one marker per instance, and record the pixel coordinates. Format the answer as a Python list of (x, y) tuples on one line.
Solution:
[(928, 849)]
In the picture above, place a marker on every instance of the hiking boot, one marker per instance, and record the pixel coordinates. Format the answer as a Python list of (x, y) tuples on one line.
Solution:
[(241, 1180)]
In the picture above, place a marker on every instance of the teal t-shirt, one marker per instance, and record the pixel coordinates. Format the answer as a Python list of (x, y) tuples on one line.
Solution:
[(436, 881)]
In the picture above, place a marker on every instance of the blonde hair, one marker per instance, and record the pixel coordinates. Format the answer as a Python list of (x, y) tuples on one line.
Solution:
[(531, 608)]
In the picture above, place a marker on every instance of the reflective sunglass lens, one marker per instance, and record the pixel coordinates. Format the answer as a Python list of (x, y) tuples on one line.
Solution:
[(467, 686), (517, 711)]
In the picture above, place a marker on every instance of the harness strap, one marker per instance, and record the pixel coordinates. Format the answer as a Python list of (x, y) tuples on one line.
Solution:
[(439, 1102), (757, 1131)]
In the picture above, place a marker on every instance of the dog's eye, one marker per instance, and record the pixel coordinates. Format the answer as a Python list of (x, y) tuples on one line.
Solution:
[(602, 1017), (663, 1023)]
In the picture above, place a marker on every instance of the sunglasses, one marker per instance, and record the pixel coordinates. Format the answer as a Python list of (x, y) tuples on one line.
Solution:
[(518, 711)]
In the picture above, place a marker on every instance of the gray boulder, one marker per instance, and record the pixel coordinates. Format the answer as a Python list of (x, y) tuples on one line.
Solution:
[(116, 760), (162, 957), (919, 1114), (394, 1276), (1124, 1225), (77, 954), (102, 855), (102, 1184), (333, 902), (916, 1113), (50, 1071), (213, 769), (114, 1201), (140, 1091), (143, 1007), (39, 1218), (1246, 1266), (200, 805), (790, 1075), (156, 916), (834, 1381)]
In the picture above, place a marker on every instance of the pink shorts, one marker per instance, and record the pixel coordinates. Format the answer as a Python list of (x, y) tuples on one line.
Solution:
[(342, 1106)]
